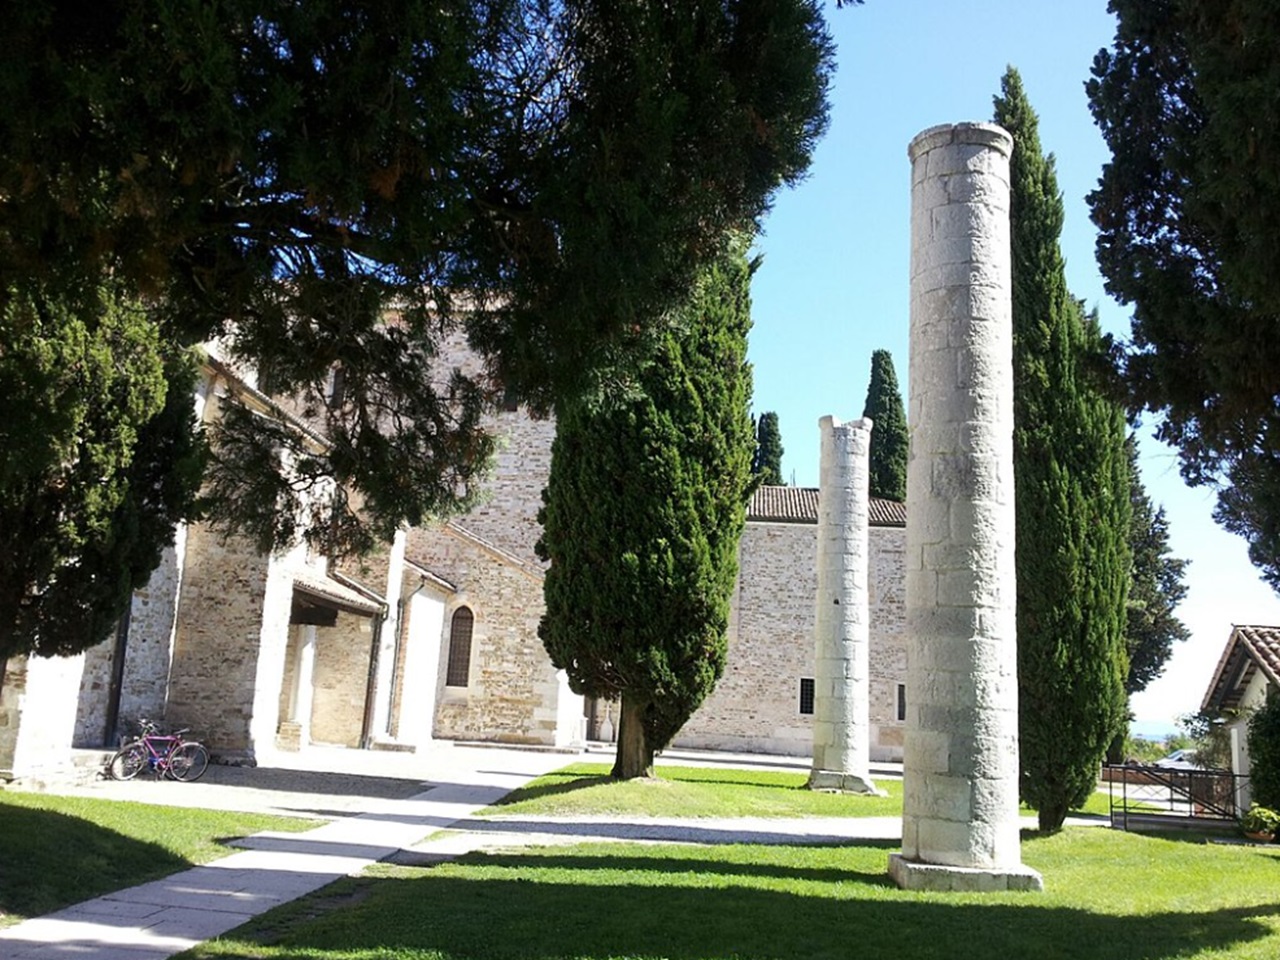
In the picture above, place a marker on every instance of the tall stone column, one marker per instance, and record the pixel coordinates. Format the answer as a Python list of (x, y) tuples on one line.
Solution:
[(960, 795), (842, 700)]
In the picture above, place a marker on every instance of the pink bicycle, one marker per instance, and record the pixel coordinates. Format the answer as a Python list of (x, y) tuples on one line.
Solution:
[(168, 755)]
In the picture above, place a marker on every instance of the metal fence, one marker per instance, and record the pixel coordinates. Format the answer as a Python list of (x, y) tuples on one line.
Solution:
[(1147, 797)]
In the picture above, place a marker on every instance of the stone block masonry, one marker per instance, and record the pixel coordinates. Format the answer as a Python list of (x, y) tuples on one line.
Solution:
[(960, 825), (841, 723)]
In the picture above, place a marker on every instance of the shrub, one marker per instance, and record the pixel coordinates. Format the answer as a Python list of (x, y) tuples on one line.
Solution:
[(1260, 820), (1264, 752)]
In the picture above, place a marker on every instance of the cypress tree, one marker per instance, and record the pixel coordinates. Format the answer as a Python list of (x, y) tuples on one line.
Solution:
[(1156, 588), (1072, 491), (888, 456), (642, 515), (767, 462)]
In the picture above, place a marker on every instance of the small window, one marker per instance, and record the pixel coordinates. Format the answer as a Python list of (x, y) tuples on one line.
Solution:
[(510, 399), (458, 672), (806, 695), (902, 701)]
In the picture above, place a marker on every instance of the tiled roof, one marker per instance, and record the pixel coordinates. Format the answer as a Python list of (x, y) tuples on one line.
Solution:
[(1249, 649), (327, 592), (800, 505)]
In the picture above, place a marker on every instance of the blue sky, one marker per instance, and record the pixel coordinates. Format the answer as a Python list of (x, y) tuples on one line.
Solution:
[(833, 285)]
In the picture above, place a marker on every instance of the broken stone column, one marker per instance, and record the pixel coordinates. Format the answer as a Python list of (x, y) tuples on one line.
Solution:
[(842, 700), (960, 793)]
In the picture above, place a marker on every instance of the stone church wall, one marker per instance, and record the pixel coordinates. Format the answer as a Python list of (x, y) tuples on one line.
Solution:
[(340, 680), (218, 640), (756, 705), (512, 694), (149, 645), (888, 661)]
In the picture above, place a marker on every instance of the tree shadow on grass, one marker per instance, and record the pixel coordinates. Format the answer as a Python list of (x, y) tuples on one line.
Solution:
[(559, 784), (556, 784), (526, 862), (50, 860), (461, 917)]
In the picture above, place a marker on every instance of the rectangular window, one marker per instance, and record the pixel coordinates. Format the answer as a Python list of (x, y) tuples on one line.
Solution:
[(902, 701), (806, 695)]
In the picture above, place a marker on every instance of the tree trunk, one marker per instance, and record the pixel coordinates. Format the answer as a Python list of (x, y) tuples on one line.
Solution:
[(1115, 750), (635, 755), (1051, 817)]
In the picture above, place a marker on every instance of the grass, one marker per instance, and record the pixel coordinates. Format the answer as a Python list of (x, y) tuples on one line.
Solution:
[(1110, 896), (55, 851), (585, 789)]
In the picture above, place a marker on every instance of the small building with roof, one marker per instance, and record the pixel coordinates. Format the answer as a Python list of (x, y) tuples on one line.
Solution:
[(1247, 673)]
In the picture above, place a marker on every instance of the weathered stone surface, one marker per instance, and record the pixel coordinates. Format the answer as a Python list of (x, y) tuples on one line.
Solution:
[(960, 808), (913, 875), (841, 729)]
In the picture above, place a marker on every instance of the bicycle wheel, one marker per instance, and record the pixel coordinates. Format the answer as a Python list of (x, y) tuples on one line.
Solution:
[(128, 762), (187, 761)]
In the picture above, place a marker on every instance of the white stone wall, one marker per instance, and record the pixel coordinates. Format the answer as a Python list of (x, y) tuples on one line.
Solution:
[(37, 716), (418, 671)]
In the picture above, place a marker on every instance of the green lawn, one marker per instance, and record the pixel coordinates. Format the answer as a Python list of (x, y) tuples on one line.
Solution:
[(55, 851), (1110, 896), (586, 789)]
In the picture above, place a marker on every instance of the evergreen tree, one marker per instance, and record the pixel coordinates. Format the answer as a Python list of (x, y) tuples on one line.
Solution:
[(1264, 753), (767, 462), (1072, 484), (1186, 213), (98, 461), (285, 176), (643, 511), (888, 458), (1156, 588), (289, 177)]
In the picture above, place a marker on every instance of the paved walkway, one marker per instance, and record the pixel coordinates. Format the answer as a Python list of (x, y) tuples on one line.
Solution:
[(387, 807), (158, 919)]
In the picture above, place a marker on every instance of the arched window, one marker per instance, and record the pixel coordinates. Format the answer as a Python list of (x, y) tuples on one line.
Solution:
[(458, 673)]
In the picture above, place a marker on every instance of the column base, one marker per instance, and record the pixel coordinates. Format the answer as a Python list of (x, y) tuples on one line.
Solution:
[(914, 875), (837, 782)]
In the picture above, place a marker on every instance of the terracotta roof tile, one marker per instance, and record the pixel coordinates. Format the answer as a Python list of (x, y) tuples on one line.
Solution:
[(800, 505), (1249, 649)]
